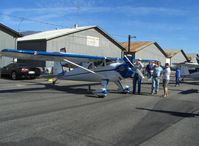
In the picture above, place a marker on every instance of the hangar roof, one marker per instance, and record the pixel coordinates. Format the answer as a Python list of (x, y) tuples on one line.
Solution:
[(46, 35), (138, 46), (192, 57), (172, 52), (52, 34), (10, 31)]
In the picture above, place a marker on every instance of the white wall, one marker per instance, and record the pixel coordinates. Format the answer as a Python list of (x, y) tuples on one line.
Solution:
[(6, 41), (151, 52), (79, 43), (179, 57)]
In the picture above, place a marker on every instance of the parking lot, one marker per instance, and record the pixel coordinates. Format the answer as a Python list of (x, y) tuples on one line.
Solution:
[(36, 113)]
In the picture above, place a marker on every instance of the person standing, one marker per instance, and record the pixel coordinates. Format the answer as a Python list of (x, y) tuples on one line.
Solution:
[(149, 70), (137, 79), (157, 70), (178, 75), (166, 78)]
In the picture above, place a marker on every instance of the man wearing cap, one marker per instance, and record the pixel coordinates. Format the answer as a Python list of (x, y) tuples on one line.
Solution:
[(137, 79), (157, 71)]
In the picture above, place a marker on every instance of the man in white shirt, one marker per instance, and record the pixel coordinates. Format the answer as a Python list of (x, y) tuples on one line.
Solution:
[(166, 78), (157, 71)]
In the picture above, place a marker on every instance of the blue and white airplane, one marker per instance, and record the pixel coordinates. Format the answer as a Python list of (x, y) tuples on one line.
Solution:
[(93, 68), (189, 69)]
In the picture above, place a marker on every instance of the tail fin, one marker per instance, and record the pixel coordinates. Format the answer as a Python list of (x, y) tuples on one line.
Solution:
[(57, 68)]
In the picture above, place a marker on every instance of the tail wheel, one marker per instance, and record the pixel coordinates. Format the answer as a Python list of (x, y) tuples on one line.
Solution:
[(13, 75)]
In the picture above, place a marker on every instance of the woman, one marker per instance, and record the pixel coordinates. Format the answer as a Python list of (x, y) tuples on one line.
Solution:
[(166, 78)]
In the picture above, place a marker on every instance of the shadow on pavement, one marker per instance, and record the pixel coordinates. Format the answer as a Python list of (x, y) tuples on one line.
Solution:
[(190, 91), (163, 115), (75, 89), (179, 114)]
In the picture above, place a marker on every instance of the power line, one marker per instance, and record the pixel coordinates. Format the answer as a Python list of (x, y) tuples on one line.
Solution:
[(118, 35), (33, 20), (47, 23)]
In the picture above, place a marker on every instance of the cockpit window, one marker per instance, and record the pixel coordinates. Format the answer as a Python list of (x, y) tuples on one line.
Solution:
[(98, 63), (90, 66)]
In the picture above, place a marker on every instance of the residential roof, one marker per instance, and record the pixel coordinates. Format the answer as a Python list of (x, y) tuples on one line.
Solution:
[(10, 31), (52, 34), (138, 46)]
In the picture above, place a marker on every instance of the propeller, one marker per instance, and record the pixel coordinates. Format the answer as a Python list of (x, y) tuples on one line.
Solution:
[(137, 70)]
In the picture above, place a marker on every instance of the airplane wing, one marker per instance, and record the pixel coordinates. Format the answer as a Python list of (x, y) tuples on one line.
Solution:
[(195, 75), (189, 65), (51, 56)]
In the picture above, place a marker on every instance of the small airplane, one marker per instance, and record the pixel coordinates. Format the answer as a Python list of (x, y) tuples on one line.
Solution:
[(189, 69), (87, 68)]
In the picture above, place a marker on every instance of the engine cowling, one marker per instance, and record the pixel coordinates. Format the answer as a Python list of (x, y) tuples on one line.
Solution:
[(125, 71)]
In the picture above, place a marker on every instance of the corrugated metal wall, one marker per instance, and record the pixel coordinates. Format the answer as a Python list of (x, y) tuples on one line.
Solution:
[(151, 52), (32, 45), (81, 43), (6, 41)]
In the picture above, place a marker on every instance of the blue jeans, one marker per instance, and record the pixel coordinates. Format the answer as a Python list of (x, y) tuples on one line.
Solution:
[(155, 84), (137, 80), (177, 80)]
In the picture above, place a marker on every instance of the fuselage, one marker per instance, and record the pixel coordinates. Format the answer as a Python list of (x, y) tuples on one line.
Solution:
[(112, 72), (194, 75)]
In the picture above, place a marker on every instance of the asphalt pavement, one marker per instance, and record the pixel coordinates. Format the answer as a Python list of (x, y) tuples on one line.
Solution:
[(36, 113)]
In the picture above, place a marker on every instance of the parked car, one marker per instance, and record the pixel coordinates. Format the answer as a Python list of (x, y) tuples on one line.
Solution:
[(20, 70)]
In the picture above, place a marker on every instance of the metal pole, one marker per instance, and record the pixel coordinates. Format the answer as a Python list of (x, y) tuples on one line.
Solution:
[(129, 44)]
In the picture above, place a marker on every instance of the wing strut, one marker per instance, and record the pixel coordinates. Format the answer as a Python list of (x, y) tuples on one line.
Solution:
[(83, 68), (70, 62)]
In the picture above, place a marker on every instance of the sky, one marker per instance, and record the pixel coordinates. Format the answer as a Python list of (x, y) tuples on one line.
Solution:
[(173, 24)]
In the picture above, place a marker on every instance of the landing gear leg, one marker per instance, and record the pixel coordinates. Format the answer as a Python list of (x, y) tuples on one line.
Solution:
[(103, 91), (122, 89)]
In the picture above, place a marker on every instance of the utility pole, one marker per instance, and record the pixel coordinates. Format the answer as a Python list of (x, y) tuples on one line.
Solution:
[(129, 42)]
